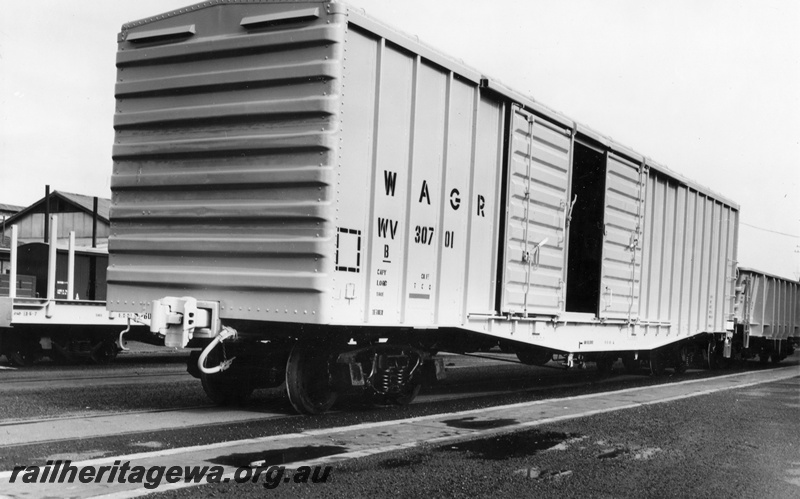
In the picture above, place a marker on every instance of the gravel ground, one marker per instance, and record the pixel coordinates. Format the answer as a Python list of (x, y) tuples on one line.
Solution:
[(740, 443)]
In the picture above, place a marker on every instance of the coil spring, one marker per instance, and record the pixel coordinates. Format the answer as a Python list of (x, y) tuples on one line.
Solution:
[(392, 379)]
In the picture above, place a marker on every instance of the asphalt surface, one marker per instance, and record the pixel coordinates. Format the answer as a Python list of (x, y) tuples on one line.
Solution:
[(156, 401), (737, 443), (472, 383), (581, 458)]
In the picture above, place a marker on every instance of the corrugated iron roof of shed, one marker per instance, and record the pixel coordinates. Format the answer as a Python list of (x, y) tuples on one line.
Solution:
[(10, 207), (85, 203)]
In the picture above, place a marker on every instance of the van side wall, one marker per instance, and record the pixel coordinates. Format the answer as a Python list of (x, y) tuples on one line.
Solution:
[(689, 258), (417, 182)]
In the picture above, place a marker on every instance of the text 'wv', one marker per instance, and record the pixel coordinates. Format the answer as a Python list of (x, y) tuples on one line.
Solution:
[(387, 226)]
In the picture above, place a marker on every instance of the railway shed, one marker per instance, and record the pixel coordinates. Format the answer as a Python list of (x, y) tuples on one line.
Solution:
[(87, 216)]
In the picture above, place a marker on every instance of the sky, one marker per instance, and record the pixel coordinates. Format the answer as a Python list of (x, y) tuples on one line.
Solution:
[(710, 88)]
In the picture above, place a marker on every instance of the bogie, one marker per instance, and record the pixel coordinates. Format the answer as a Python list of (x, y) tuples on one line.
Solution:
[(388, 374)]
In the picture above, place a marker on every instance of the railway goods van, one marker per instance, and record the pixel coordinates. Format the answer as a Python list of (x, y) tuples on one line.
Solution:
[(767, 315), (331, 202)]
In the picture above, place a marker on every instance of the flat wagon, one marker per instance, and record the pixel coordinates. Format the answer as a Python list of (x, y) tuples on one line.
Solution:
[(337, 201), (52, 302)]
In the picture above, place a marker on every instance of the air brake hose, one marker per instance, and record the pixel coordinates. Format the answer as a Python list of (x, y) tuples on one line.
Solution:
[(223, 335), (120, 340)]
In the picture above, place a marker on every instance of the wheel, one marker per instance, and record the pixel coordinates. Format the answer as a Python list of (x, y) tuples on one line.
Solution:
[(308, 380), (776, 356), (681, 359), (656, 363), (23, 351), (605, 366), (223, 388), (716, 359), (104, 352), (712, 357), (631, 363), (763, 356), (534, 356), (407, 395), (22, 356)]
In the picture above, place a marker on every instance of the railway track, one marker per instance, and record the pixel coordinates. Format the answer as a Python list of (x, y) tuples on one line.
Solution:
[(44, 381)]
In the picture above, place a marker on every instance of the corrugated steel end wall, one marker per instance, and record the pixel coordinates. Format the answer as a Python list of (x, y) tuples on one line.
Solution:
[(689, 258), (226, 126), (768, 305)]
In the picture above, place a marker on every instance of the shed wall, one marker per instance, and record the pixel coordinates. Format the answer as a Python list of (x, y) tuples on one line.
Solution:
[(32, 226)]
